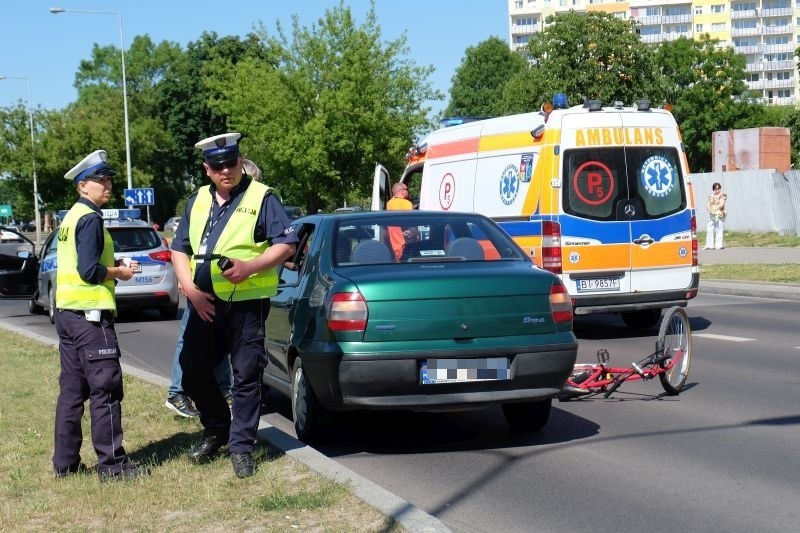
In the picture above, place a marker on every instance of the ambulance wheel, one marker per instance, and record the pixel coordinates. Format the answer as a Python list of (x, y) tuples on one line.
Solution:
[(647, 318)]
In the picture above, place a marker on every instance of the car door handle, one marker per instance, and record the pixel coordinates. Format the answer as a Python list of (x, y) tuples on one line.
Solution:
[(289, 303), (644, 240)]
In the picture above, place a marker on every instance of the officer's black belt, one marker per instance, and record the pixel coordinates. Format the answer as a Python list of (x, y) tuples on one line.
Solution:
[(210, 257)]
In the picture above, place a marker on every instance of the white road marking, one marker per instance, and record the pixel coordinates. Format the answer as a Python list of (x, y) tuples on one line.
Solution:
[(722, 337)]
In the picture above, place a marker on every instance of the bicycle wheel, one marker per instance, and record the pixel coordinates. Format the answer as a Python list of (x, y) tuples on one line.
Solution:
[(675, 339)]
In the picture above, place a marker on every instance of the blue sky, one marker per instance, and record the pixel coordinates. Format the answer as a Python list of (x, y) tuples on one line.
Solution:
[(47, 48)]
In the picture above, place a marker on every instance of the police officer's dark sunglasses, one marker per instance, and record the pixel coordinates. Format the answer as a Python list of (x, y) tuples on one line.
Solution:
[(216, 167)]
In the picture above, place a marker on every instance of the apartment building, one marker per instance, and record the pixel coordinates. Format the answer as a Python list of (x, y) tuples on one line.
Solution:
[(765, 32)]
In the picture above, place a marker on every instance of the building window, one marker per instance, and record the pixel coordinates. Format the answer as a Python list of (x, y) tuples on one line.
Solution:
[(698, 28), (744, 6), (718, 26), (784, 75), (718, 8), (518, 4), (776, 39), (753, 77)]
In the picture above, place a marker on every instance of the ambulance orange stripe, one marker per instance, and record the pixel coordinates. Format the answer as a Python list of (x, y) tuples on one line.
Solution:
[(453, 148)]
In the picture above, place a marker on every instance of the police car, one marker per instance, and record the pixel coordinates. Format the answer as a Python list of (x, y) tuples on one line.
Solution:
[(155, 286)]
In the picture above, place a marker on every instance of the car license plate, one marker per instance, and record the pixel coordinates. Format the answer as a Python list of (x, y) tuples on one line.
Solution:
[(434, 371), (597, 284)]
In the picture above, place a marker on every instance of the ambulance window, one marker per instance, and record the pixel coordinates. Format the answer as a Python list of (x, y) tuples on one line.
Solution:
[(594, 180), (655, 179)]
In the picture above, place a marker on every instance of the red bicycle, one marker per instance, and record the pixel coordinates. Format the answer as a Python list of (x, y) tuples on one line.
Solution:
[(670, 362)]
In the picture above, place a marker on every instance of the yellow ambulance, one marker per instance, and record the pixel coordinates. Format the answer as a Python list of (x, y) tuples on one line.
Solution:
[(598, 195)]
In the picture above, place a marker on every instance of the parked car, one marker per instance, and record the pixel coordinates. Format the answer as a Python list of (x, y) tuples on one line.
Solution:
[(156, 286), (172, 224), (9, 234), (294, 212), (458, 318)]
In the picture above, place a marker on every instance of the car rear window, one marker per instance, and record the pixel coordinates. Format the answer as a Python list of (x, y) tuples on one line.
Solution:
[(415, 239), (134, 239)]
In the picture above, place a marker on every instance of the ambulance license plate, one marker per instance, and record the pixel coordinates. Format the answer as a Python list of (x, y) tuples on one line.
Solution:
[(597, 284)]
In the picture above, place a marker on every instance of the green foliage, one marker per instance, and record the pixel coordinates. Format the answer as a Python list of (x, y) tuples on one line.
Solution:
[(589, 55), (477, 86), (324, 106), (706, 86)]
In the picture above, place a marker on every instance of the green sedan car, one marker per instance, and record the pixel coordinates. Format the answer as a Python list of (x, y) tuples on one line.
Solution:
[(417, 311)]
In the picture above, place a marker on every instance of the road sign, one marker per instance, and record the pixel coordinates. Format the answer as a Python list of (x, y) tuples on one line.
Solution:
[(5, 210), (140, 197)]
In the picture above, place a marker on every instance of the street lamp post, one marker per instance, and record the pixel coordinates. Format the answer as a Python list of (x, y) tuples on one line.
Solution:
[(33, 158), (57, 10)]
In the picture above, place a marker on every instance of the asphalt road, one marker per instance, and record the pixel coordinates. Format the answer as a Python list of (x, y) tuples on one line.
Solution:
[(719, 457)]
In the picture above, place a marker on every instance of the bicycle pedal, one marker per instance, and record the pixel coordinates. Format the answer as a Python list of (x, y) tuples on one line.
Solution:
[(639, 370)]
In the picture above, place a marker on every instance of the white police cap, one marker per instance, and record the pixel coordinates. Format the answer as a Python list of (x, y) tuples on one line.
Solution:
[(220, 148), (92, 165)]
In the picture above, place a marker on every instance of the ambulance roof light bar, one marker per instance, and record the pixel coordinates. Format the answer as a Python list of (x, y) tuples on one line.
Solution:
[(643, 105)]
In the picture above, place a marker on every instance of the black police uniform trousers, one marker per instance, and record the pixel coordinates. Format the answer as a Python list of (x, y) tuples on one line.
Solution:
[(90, 370), (238, 330)]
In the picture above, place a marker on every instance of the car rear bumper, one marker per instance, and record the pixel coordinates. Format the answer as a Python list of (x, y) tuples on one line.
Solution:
[(145, 299), (375, 381)]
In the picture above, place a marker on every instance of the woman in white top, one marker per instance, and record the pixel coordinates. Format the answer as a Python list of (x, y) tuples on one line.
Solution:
[(716, 218)]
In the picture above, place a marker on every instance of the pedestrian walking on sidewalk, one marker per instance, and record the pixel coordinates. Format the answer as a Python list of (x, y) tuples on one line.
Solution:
[(716, 218)]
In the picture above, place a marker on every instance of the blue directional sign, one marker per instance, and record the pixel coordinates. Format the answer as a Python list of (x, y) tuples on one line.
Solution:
[(140, 196)]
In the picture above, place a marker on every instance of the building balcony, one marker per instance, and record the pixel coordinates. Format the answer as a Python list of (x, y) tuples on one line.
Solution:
[(676, 19), (749, 49), (654, 20), (777, 30), (744, 14), (777, 12), (772, 66), (745, 32), (779, 84)]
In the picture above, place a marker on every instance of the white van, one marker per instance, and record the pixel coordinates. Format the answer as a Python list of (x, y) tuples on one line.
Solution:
[(597, 195)]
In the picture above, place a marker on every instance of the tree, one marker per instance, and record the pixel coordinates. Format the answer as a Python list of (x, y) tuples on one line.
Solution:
[(477, 86), (323, 107), (705, 84), (590, 55)]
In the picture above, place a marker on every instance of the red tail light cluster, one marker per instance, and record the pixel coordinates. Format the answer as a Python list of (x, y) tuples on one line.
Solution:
[(560, 303), (551, 246), (165, 256), (347, 311)]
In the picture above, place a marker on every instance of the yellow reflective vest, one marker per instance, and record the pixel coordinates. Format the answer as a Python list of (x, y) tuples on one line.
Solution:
[(72, 292), (236, 241)]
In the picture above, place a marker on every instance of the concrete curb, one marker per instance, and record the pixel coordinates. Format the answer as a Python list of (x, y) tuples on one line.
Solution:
[(781, 291), (405, 513)]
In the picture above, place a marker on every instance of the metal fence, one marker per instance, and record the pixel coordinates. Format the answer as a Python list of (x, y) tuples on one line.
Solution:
[(759, 201)]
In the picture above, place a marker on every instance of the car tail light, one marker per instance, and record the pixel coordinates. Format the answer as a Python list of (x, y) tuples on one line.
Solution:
[(560, 303), (693, 225), (165, 256), (551, 246), (347, 311)]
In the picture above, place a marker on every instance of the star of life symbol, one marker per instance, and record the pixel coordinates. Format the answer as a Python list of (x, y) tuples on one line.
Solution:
[(658, 176), (574, 257), (509, 184)]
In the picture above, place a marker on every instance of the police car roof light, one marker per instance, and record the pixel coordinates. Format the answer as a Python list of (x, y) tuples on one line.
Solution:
[(643, 105)]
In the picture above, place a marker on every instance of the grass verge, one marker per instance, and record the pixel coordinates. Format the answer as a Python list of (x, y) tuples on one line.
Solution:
[(780, 273), (283, 495)]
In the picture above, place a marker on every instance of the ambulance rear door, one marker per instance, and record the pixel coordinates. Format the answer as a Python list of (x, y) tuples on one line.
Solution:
[(659, 207), (594, 220), (381, 188)]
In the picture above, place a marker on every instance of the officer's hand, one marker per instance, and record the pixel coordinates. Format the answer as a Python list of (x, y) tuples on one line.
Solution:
[(238, 272), (202, 302), (126, 273)]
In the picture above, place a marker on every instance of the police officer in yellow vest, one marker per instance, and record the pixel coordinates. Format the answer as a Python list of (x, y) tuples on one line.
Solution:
[(233, 234), (90, 368)]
